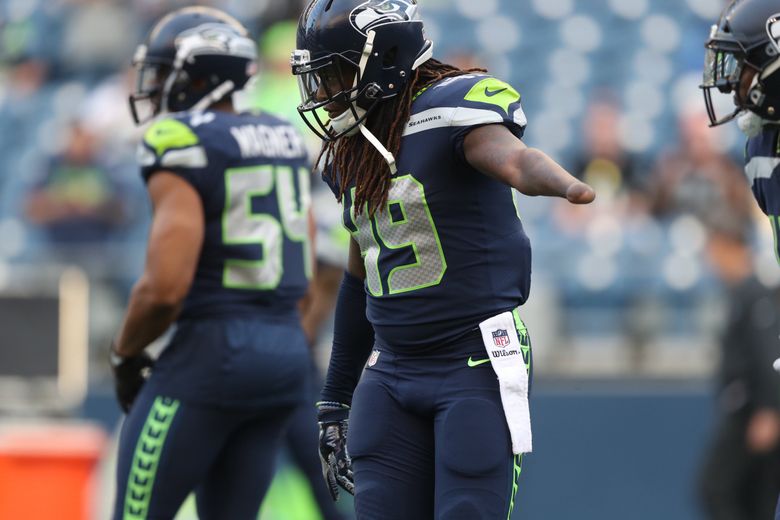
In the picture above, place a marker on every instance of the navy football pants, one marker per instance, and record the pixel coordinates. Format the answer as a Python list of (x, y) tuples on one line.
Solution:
[(211, 419), (168, 448), (429, 440)]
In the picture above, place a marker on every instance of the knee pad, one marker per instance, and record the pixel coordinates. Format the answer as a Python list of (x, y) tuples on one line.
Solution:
[(463, 509), (474, 438)]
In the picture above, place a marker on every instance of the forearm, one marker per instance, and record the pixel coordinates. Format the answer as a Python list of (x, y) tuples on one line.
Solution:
[(538, 174), (497, 153), (353, 340), (148, 317)]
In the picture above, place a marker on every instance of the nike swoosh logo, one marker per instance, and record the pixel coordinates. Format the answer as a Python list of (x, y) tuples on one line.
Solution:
[(491, 93), (478, 362)]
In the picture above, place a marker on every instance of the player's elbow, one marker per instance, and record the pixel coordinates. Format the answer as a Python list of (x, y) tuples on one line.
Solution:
[(164, 295)]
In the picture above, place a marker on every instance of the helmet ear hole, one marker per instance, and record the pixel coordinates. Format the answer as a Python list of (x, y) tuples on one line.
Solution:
[(388, 60)]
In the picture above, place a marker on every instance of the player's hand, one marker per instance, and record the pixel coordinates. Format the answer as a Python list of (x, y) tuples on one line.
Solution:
[(763, 431), (333, 419), (130, 374), (580, 193)]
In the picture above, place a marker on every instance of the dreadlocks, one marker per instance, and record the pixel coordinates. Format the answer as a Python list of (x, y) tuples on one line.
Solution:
[(354, 159)]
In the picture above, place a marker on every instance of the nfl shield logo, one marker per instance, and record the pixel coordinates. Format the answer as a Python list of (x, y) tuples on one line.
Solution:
[(374, 358), (500, 338)]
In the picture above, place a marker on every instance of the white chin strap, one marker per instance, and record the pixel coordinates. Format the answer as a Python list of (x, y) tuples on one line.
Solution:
[(386, 155), (347, 119), (215, 95)]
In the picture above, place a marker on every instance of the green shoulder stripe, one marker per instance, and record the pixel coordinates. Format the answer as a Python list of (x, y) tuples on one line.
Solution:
[(494, 92), (168, 134)]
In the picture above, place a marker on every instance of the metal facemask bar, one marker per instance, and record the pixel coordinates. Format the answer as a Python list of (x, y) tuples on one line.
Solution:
[(326, 75), (723, 66), (722, 73), (150, 77)]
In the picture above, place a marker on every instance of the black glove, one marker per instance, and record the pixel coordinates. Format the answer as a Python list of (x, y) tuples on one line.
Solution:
[(130, 373), (333, 419)]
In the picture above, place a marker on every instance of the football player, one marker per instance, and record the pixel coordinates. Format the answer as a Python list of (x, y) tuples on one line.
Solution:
[(423, 157), (228, 260), (743, 60)]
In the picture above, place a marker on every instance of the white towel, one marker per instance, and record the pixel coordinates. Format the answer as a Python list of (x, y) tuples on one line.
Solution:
[(503, 347)]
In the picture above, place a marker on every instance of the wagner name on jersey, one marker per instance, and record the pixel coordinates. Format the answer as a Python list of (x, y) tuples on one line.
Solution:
[(252, 176), (448, 250)]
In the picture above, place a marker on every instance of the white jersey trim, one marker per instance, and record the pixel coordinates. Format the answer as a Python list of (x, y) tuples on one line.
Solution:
[(761, 168), (192, 157), (455, 116)]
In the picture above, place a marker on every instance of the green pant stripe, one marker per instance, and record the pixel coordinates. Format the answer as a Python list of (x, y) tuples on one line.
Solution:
[(517, 463), (147, 457), (522, 335)]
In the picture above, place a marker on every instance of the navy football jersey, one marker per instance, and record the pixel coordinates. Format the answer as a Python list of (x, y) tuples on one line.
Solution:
[(448, 250), (762, 159), (252, 176)]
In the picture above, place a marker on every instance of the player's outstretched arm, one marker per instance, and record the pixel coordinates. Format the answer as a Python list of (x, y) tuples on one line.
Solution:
[(496, 152), (172, 255)]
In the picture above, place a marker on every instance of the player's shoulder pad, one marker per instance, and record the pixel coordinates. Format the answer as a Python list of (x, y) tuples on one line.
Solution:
[(464, 101), (472, 90), (173, 141)]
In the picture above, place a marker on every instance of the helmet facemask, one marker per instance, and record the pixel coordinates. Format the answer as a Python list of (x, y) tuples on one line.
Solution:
[(333, 80), (722, 75), (151, 75)]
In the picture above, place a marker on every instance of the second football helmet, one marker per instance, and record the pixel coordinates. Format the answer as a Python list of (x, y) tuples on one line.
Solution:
[(746, 36), (192, 58)]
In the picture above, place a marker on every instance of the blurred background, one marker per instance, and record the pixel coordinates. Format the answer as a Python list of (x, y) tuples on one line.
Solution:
[(632, 297)]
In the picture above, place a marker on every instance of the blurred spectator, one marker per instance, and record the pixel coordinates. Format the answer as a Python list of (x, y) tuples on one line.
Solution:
[(697, 176), (465, 60), (99, 35), (77, 201), (741, 474), (604, 162)]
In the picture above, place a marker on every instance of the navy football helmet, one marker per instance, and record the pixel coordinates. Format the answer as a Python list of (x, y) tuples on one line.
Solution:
[(354, 54), (746, 36), (192, 58)]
